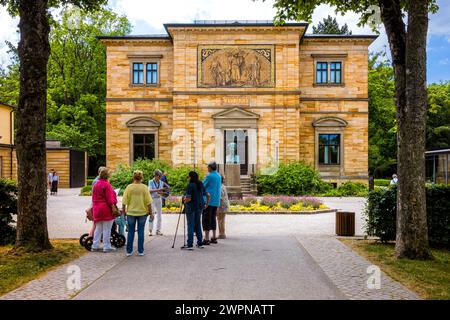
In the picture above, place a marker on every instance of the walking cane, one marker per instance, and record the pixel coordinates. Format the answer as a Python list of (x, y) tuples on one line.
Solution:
[(178, 223), (184, 231)]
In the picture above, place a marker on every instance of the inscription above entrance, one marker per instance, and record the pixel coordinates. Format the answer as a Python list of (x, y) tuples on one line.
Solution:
[(234, 66)]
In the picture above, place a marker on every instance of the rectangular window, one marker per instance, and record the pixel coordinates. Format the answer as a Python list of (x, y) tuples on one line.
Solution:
[(152, 73), (321, 72), (138, 73), (144, 146), (329, 149), (335, 72)]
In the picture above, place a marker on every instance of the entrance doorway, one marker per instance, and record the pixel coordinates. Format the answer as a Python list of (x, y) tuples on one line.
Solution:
[(236, 148)]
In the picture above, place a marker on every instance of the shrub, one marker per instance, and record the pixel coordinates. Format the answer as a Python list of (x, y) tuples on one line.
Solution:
[(86, 190), (438, 215), (382, 182), (296, 178), (123, 175), (380, 214), (348, 189), (8, 207), (178, 178)]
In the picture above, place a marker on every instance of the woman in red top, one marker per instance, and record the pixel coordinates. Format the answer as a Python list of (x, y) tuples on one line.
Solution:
[(103, 198)]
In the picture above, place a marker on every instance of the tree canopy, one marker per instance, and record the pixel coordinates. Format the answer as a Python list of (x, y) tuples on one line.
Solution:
[(330, 25), (382, 122), (302, 10), (76, 78)]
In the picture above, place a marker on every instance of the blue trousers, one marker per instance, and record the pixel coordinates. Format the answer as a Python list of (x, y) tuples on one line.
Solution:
[(131, 221), (194, 225)]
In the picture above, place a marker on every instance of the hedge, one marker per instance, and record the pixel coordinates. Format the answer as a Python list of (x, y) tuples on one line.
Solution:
[(296, 179), (348, 189), (299, 179), (380, 214), (382, 182), (8, 207)]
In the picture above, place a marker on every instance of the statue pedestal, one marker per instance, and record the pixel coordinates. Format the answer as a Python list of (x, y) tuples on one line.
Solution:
[(233, 180)]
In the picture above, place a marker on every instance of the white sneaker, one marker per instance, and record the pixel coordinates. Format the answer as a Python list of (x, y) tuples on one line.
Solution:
[(150, 234), (129, 254), (112, 249), (141, 254)]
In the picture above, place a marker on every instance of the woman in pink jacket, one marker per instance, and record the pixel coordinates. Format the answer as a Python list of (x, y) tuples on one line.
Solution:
[(103, 198)]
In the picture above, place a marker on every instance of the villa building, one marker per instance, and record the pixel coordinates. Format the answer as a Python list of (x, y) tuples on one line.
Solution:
[(240, 92)]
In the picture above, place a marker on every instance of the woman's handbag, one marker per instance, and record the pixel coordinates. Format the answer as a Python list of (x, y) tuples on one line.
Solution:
[(90, 214), (115, 210)]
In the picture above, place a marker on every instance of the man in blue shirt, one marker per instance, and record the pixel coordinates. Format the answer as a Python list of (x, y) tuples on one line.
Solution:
[(212, 184)]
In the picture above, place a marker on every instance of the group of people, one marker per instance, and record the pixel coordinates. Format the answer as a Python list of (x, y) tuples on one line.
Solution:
[(204, 204)]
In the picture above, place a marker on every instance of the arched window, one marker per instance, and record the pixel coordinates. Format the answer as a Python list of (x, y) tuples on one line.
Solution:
[(143, 138), (329, 138)]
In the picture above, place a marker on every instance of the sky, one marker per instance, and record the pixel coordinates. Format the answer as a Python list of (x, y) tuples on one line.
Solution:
[(148, 17)]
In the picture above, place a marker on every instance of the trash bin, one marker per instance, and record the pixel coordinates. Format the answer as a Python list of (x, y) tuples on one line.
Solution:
[(345, 223)]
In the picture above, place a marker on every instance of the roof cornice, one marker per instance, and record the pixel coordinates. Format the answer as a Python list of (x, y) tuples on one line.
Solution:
[(340, 36), (235, 26)]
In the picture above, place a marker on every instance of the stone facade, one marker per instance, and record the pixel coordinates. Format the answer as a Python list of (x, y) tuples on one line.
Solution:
[(257, 79)]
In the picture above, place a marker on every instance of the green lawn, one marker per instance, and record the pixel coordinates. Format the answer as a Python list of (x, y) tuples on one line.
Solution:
[(17, 269), (430, 279)]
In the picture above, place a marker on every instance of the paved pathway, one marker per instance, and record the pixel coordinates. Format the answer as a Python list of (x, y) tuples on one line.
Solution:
[(265, 257), (350, 272), (251, 267), (66, 218)]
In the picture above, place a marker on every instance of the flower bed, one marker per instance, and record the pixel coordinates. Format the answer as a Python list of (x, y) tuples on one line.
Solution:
[(266, 204)]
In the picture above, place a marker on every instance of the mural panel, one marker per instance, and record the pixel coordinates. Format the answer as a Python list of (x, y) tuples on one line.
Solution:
[(246, 66)]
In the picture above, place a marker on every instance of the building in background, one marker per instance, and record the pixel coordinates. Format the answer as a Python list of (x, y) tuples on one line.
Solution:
[(437, 166), (240, 92), (7, 154), (69, 163)]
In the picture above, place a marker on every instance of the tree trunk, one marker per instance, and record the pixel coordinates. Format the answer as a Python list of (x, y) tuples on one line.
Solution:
[(408, 50), (412, 231), (34, 50)]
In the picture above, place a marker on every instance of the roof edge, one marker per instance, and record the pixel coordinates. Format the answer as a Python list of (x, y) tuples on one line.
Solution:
[(237, 24), (341, 36), (136, 37), (8, 105)]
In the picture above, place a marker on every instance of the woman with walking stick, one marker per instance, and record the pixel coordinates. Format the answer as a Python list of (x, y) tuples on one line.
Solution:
[(194, 205)]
